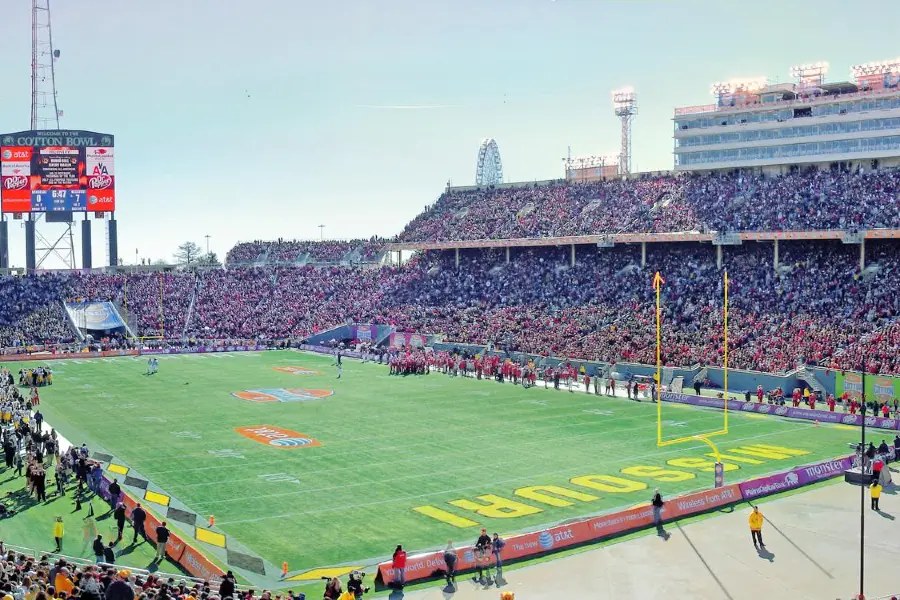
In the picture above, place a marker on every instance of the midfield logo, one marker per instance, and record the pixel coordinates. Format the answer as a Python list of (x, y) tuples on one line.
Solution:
[(282, 395)]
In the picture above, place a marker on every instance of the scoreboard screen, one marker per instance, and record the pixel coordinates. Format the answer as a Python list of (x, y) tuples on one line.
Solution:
[(51, 171)]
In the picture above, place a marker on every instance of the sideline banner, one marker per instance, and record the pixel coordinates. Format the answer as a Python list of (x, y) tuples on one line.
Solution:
[(824, 416), (399, 340), (879, 387), (326, 350), (182, 553), (40, 357), (425, 566), (788, 480), (203, 349), (363, 333)]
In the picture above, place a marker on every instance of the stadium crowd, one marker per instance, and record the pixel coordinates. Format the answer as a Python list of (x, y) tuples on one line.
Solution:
[(818, 308), (800, 200), (288, 251)]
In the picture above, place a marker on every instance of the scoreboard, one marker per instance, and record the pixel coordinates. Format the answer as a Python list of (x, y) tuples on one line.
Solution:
[(57, 171)]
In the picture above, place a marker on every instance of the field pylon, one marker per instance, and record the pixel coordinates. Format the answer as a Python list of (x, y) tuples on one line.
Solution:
[(212, 520)]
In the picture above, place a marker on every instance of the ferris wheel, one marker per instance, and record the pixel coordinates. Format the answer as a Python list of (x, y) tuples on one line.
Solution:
[(490, 168)]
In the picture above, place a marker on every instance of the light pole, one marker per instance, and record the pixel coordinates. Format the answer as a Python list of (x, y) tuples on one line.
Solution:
[(321, 234), (862, 493), (207, 243)]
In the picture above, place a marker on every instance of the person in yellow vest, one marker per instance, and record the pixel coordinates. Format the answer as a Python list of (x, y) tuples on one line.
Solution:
[(58, 531), (756, 523), (875, 492)]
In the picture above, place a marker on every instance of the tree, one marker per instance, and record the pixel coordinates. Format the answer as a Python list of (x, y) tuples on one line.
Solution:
[(209, 260), (187, 253)]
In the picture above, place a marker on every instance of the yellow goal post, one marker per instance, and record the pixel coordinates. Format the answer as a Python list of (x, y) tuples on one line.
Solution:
[(658, 282)]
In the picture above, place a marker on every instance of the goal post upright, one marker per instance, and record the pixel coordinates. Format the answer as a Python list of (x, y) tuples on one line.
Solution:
[(658, 282)]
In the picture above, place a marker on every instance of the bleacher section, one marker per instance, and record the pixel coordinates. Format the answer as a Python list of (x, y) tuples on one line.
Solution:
[(817, 308)]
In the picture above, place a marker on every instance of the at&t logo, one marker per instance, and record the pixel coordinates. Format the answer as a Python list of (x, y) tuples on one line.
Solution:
[(7, 154), (291, 441)]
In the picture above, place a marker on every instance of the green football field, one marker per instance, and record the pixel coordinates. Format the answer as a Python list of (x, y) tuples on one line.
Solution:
[(390, 460)]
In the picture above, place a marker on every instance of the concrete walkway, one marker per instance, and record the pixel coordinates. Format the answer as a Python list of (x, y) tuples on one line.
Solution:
[(812, 553)]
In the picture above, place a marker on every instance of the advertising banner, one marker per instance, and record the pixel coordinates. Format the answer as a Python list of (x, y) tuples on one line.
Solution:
[(41, 357), (823, 416), (326, 350), (177, 549), (425, 566), (399, 340), (878, 387), (203, 349), (788, 480), (363, 333), (94, 316)]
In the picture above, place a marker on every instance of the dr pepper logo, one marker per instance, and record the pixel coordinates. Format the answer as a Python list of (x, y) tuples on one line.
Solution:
[(277, 437), (15, 182), (100, 182)]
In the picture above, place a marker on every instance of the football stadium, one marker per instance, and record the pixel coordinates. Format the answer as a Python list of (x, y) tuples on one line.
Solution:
[(612, 383)]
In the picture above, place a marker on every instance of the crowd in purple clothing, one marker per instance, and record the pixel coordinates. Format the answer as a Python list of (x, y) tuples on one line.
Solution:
[(801, 200), (289, 251)]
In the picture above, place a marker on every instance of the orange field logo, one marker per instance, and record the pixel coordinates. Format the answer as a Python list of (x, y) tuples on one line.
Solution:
[(271, 435), (282, 395), (298, 370)]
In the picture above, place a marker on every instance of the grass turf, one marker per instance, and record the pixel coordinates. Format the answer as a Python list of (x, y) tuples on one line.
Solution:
[(389, 444)]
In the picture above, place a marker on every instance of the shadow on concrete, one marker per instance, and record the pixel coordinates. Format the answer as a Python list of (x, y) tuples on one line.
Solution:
[(763, 552), (800, 550), (705, 564)]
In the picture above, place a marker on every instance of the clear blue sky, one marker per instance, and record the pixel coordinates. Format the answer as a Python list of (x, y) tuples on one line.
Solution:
[(247, 120)]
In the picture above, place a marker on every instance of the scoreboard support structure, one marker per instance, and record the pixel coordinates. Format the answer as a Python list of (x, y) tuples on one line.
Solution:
[(30, 252), (86, 262), (112, 233), (4, 243)]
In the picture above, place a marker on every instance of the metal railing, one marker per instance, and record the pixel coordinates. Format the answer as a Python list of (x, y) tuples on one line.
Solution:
[(84, 562)]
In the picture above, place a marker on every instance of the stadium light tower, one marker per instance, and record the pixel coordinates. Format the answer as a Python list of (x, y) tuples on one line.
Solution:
[(625, 105), (45, 115), (810, 75), (880, 67)]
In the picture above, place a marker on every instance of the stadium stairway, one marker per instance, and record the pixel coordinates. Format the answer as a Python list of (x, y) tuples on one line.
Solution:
[(190, 311), (809, 377), (701, 375)]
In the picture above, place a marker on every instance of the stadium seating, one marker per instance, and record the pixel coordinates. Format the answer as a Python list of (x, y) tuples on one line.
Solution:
[(289, 252), (817, 309), (802, 200)]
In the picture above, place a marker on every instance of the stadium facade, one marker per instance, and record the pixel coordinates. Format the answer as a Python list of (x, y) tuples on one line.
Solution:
[(775, 127)]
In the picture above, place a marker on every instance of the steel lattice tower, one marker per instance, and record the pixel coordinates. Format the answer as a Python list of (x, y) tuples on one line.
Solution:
[(44, 111), (45, 115), (625, 104)]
